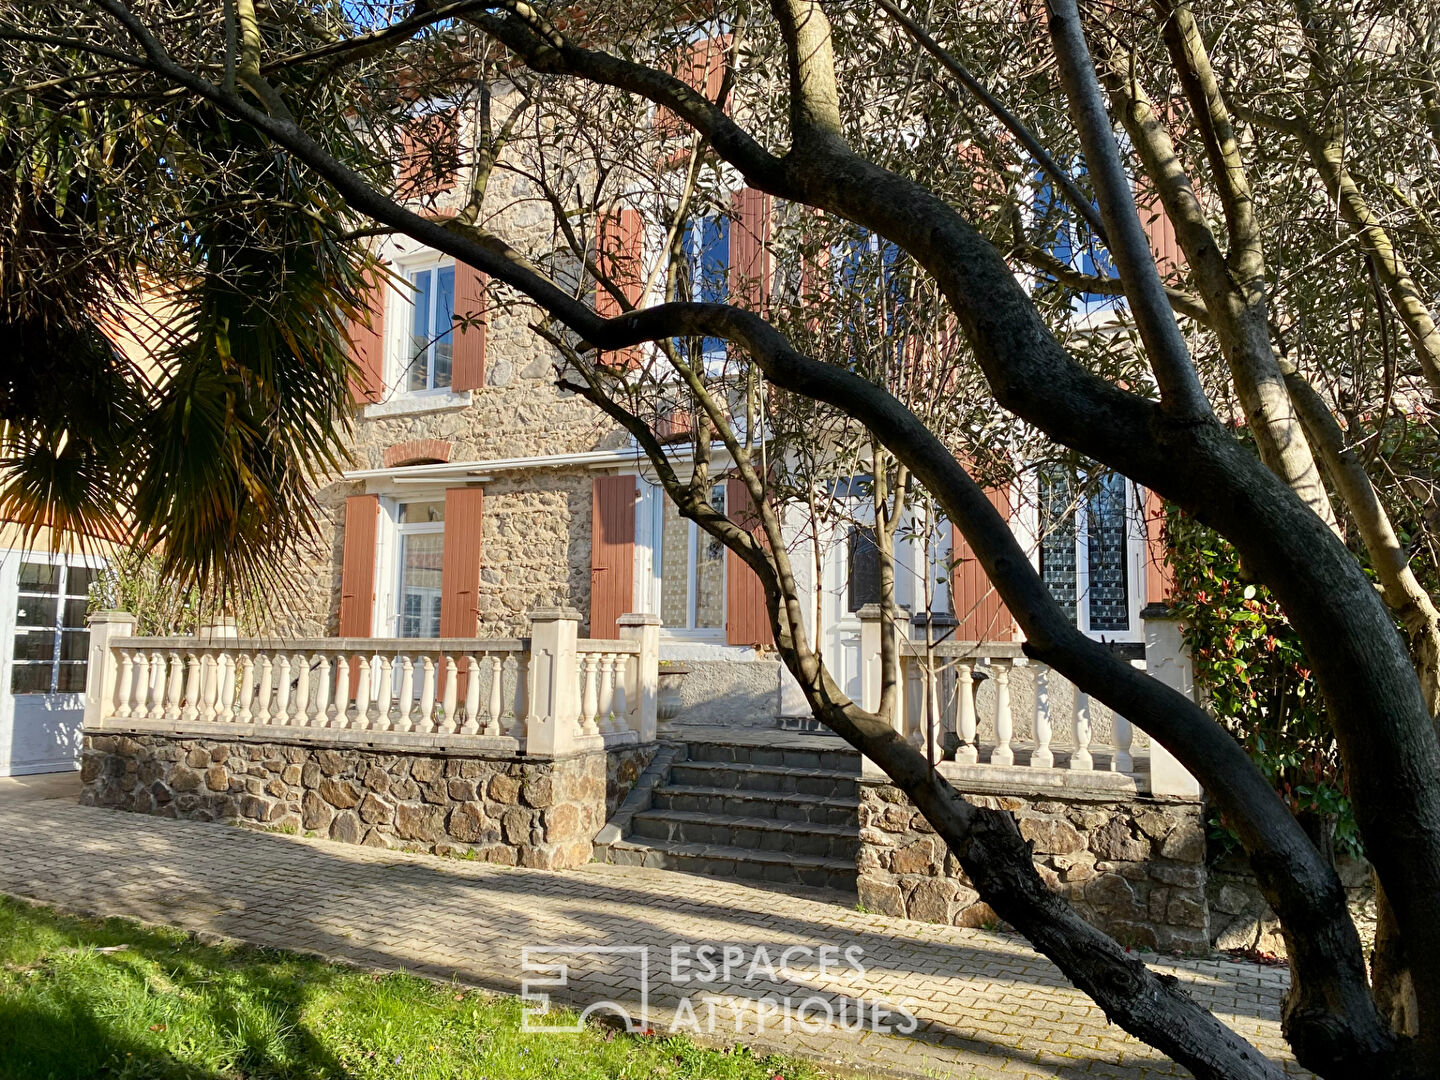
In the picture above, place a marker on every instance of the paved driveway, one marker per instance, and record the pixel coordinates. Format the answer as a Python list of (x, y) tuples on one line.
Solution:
[(983, 1004)]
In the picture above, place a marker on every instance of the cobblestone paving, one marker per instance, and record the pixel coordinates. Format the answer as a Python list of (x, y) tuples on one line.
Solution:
[(986, 1005)]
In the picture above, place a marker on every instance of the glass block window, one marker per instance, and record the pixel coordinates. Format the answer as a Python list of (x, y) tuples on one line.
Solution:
[(1108, 594), (691, 570), (51, 643), (1059, 567)]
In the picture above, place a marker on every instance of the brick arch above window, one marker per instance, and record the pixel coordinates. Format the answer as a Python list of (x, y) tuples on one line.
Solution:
[(417, 452)]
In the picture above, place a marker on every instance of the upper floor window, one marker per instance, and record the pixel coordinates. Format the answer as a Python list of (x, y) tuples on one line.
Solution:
[(1090, 548), (1068, 238), (429, 344), (871, 282), (706, 243)]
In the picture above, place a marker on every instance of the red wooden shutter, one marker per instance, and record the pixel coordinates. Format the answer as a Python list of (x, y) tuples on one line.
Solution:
[(357, 571), (469, 370), (429, 162), (1159, 574), (367, 338), (982, 615), (747, 619), (612, 553), (749, 251), (620, 248), (460, 565)]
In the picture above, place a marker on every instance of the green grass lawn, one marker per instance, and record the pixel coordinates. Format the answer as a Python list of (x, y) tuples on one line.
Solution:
[(85, 998)]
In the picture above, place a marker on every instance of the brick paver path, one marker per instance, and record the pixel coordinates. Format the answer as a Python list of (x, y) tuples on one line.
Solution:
[(986, 1005)]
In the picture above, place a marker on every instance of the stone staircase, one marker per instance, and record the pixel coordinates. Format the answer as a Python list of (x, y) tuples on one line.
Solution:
[(785, 812)]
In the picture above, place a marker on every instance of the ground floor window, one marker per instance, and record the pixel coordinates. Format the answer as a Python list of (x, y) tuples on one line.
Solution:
[(690, 569), (51, 642), (420, 554), (1087, 547)]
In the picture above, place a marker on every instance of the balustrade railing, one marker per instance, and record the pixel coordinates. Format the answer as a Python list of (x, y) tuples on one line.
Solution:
[(463, 688)]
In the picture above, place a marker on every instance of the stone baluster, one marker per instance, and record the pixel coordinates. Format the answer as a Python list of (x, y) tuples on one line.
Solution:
[(243, 715), (471, 726), (266, 689), (1043, 757), (282, 689), (342, 692), (176, 688), (620, 703), (225, 674), (155, 703), (605, 712), (590, 699), (403, 718), (449, 724), (428, 722), (966, 753), (1080, 759), (138, 704), (497, 695), (385, 697), (209, 687), (192, 688), (123, 685), (1122, 735), (362, 695), (320, 717), (1003, 754), (519, 668), (300, 710)]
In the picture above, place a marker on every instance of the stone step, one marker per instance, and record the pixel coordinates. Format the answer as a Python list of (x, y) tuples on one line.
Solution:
[(841, 760), (779, 805), (737, 864), (825, 783), (752, 834)]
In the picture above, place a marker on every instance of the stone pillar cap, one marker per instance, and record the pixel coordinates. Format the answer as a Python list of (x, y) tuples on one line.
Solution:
[(110, 615), (639, 618), (554, 614), (1157, 610)]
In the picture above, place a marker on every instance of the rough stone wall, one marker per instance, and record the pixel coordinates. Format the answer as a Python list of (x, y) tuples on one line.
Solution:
[(1134, 868), (1241, 919), (512, 811)]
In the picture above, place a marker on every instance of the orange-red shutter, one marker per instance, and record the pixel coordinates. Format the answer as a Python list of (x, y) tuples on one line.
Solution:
[(469, 370), (357, 572), (1159, 574), (620, 249), (612, 553), (981, 614), (367, 339), (747, 619), (749, 250), (429, 162), (460, 566)]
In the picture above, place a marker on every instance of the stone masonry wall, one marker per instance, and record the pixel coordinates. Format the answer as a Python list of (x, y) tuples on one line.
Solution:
[(513, 811), (1134, 868)]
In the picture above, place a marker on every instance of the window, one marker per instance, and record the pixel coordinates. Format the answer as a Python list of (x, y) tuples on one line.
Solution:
[(871, 280), (706, 243), (1069, 240), (862, 567), (690, 569), (419, 554), (428, 350), (51, 641), (1087, 549)]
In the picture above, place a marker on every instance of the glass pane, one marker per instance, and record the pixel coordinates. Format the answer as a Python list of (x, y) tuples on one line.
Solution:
[(709, 582), (864, 568), (1057, 539), (79, 579), (413, 512), (35, 645), (674, 568), (36, 610), (416, 378), (30, 679), (75, 612), (39, 577), (74, 644), (70, 678), (1109, 595), (444, 325), (420, 565)]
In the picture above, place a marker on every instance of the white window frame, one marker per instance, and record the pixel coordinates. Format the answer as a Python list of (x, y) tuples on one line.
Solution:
[(1136, 547), (10, 625), (388, 564), (398, 314), (649, 537)]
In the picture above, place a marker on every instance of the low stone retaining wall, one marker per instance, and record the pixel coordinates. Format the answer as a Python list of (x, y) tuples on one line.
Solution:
[(1241, 919), (539, 813), (1135, 867)]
